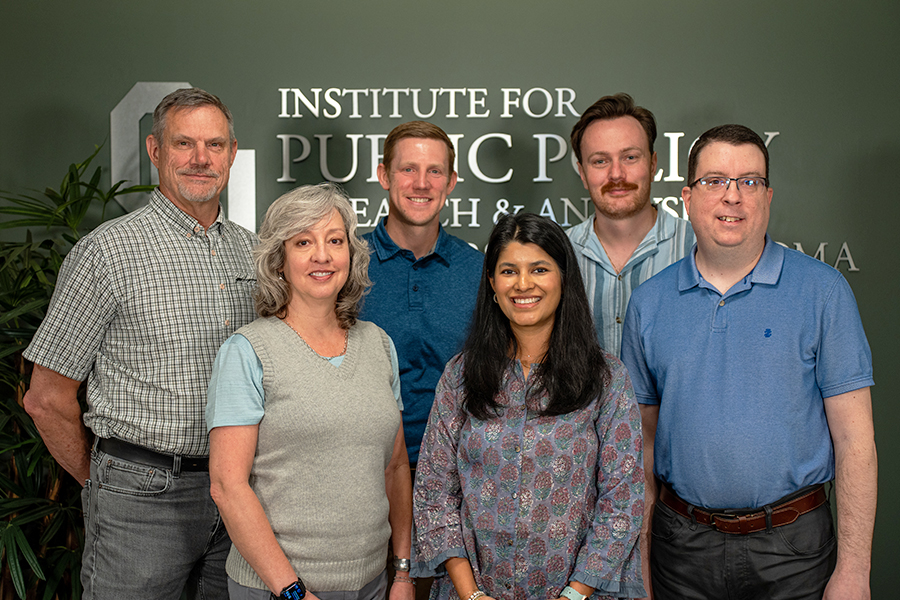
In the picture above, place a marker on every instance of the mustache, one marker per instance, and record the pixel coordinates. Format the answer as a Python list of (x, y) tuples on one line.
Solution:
[(618, 185), (198, 171)]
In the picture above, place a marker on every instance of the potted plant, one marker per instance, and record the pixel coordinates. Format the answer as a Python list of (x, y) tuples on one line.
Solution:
[(41, 531)]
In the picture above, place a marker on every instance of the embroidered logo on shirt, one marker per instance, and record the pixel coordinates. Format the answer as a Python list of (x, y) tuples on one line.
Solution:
[(768, 333)]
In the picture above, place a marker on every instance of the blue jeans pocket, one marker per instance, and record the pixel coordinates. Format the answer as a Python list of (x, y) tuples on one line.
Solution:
[(123, 477)]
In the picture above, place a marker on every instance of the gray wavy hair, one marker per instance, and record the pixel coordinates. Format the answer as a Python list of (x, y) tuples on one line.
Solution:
[(300, 210)]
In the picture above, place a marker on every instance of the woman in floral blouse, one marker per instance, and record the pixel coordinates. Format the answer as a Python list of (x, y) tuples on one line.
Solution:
[(530, 482)]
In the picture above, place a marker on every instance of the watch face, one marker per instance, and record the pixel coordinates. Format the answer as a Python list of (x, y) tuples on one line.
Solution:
[(295, 591)]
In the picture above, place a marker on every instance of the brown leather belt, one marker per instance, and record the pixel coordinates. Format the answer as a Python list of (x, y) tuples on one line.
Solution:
[(782, 514)]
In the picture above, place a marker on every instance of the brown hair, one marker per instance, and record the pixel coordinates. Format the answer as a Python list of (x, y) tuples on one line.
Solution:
[(736, 135), (416, 129), (613, 107)]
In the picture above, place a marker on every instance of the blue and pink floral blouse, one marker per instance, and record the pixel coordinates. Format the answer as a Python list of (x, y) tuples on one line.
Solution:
[(533, 502)]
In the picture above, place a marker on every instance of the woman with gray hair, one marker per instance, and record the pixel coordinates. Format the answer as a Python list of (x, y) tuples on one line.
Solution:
[(308, 464)]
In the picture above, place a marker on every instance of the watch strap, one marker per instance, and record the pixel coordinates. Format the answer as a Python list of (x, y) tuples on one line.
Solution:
[(572, 594), (295, 591)]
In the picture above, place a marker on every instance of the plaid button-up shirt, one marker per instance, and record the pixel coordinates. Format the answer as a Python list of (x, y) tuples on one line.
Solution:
[(141, 306)]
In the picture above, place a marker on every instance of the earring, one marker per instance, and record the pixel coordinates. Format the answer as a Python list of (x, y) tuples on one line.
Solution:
[(495, 299), (281, 275)]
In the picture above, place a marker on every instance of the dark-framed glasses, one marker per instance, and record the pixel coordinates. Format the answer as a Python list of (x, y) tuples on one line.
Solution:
[(716, 183)]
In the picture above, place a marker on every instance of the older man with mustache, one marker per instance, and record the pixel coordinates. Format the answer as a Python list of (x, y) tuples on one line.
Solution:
[(141, 306), (628, 240)]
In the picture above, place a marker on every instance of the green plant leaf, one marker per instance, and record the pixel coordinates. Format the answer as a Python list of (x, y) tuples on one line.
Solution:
[(27, 307), (8, 546), (27, 552)]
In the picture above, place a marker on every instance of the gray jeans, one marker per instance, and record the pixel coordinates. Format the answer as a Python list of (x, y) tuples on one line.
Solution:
[(150, 533), (374, 590)]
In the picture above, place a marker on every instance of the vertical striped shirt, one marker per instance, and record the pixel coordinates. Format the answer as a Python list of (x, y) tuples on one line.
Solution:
[(141, 306), (608, 292)]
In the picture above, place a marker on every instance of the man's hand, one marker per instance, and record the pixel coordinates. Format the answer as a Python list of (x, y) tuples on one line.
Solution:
[(848, 586)]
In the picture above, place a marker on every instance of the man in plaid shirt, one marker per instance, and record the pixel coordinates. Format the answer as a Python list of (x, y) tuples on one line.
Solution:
[(141, 306)]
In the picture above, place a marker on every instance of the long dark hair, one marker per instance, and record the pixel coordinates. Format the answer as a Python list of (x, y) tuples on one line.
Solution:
[(573, 369)]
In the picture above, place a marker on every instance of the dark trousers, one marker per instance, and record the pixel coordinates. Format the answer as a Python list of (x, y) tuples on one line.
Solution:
[(690, 561)]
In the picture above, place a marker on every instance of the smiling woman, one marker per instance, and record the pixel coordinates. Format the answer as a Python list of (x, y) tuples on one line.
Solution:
[(527, 285), (303, 403), (532, 453)]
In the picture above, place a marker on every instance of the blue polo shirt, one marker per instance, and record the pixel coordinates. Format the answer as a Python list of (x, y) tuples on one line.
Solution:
[(425, 306), (740, 377)]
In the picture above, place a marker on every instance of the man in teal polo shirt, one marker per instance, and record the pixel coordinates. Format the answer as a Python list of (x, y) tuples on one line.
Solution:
[(753, 372), (425, 280)]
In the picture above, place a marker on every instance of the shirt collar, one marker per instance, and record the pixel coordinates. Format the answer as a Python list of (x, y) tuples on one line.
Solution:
[(178, 217), (767, 269), (663, 229), (385, 247)]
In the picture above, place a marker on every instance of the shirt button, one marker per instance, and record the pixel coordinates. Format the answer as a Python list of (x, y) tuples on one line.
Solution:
[(721, 303), (415, 288), (187, 235), (212, 252), (619, 278), (196, 229), (221, 286), (515, 495), (518, 448), (228, 321), (619, 320)]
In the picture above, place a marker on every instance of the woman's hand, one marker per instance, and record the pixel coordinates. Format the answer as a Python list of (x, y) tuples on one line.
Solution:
[(402, 590)]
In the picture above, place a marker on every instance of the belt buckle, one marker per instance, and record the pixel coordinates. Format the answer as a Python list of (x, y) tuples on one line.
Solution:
[(722, 515)]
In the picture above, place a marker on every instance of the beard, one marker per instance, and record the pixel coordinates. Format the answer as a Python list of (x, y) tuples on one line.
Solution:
[(203, 194)]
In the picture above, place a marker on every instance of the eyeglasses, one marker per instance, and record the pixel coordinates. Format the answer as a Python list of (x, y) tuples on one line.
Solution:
[(744, 184)]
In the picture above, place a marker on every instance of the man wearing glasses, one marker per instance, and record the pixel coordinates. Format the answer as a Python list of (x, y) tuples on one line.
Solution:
[(753, 373)]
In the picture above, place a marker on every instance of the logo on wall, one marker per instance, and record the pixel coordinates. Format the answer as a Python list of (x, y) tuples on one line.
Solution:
[(127, 149), (513, 154)]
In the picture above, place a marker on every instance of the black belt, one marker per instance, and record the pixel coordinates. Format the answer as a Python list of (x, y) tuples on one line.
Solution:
[(145, 456)]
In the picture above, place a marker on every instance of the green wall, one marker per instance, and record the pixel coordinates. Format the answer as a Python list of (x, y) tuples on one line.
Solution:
[(824, 75)]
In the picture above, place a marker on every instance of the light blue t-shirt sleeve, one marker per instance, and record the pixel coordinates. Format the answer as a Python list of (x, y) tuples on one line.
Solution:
[(395, 374), (235, 395)]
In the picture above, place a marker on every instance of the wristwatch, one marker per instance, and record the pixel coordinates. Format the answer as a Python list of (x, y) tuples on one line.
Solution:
[(572, 594), (295, 591)]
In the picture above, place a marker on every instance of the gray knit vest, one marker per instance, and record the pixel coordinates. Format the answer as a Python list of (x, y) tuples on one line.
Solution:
[(324, 444)]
